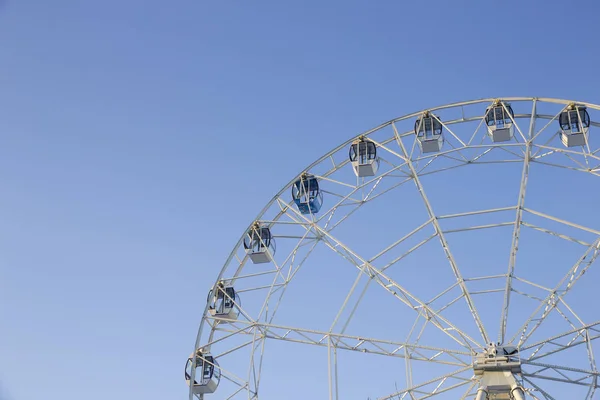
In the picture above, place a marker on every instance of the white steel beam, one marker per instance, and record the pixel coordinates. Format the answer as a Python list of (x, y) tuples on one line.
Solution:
[(360, 344), (517, 228), (443, 241)]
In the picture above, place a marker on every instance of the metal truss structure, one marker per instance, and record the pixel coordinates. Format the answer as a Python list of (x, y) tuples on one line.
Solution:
[(433, 336)]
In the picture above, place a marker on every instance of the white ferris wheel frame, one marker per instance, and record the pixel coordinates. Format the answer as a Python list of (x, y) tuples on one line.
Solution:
[(317, 228)]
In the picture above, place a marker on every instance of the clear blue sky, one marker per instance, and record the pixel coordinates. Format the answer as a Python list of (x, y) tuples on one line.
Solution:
[(139, 139)]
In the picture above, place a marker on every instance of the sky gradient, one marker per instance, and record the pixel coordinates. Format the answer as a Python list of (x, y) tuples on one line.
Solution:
[(139, 139)]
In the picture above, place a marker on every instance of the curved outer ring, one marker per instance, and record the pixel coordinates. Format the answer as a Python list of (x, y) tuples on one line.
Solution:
[(348, 142)]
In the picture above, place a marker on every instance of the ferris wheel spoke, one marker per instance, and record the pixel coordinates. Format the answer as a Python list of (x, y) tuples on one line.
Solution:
[(560, 369), (517, 228), (445, 246), (563, 378), (578, 336), (558, 293), (433, 387), (563, 373)]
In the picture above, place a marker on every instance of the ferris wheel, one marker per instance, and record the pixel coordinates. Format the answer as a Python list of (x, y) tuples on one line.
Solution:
[(447, 254)]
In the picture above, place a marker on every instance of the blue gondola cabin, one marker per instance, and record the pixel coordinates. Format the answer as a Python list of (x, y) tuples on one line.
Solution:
[(306, 194)]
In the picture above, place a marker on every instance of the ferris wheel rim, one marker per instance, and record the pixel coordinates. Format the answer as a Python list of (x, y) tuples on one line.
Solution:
[(366, 134), (371, 130), (402, 117)]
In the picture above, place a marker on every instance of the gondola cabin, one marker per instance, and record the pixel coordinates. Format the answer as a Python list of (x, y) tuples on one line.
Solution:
[(306, 194), (428, 129), (363, 157), (259, 244), (207, 373), (499, 120), (224, 302), (574, 125)]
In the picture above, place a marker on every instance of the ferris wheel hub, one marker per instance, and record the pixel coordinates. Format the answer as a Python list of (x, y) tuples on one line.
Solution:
[(497, 358), (497, 365)]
